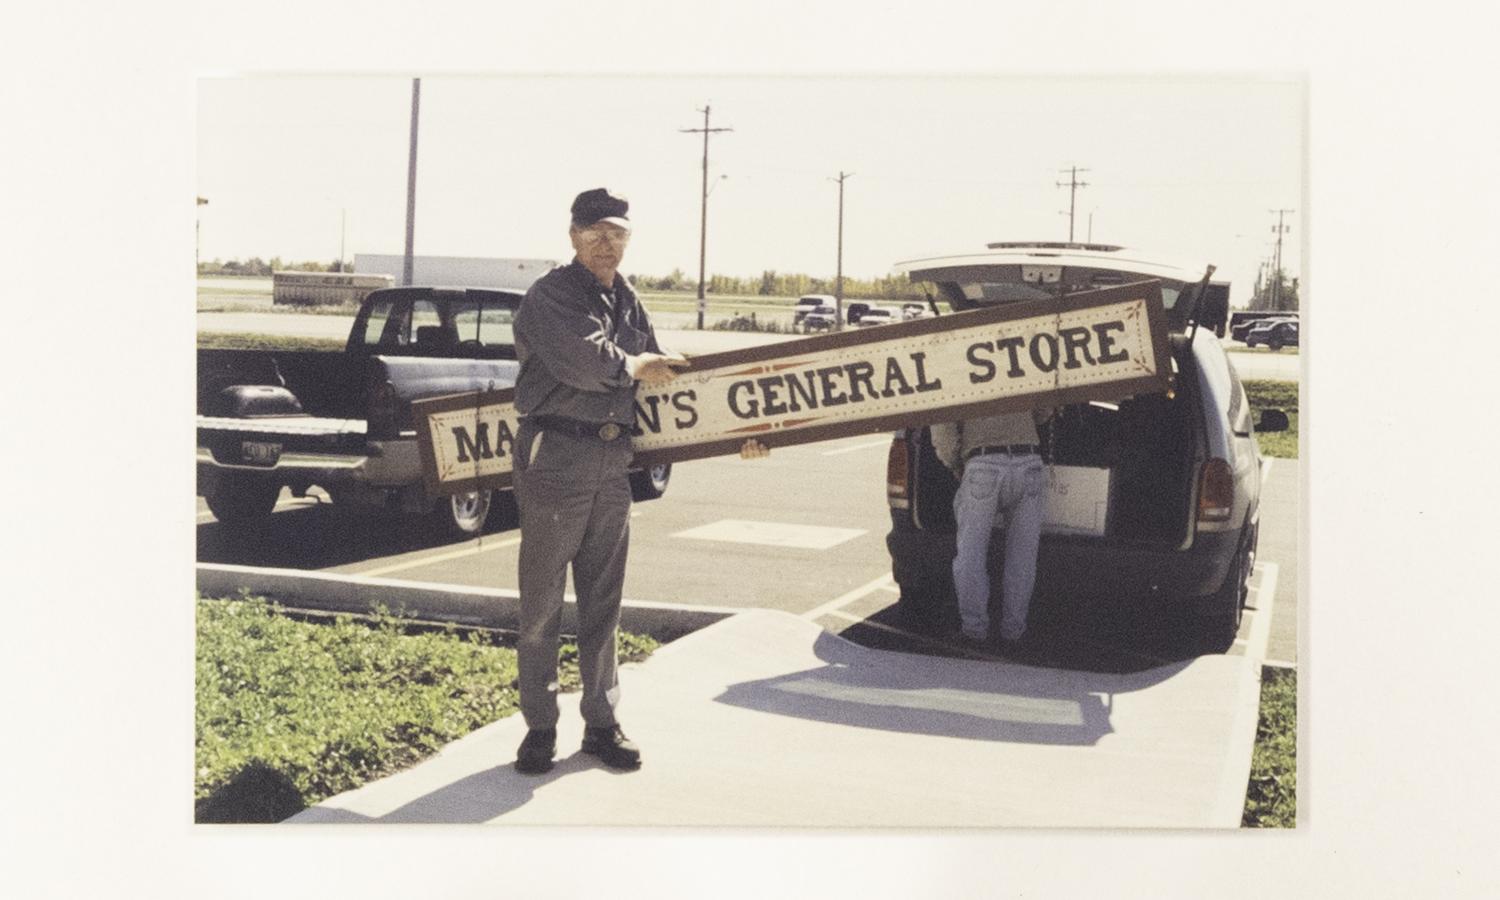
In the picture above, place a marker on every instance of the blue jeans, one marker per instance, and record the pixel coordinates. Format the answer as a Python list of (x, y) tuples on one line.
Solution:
[(997, 490)]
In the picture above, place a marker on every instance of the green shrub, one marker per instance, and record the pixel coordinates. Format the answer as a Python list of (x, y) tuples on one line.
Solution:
[(1282, 395), (1271, 798), (753, 322), (1265, 393), (217, 340), (292, 708)]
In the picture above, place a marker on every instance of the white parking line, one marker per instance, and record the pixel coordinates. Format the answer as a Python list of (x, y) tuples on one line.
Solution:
[(481, 546), (468, 550), (1265, 601), (883, 442), (844, 600), (771, 534), (1265, 468)]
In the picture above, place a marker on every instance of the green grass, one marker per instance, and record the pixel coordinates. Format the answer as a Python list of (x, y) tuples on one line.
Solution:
[(1282, 395), (689, 300), (241, 303), (218, 340), (1241, 348), (1271, 800), (291, 712)]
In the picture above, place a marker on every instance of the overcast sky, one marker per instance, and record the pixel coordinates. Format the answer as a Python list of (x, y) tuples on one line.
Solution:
[(1186, 167)]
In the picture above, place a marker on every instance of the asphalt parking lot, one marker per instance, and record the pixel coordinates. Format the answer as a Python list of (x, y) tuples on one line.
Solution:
[(802, 531)]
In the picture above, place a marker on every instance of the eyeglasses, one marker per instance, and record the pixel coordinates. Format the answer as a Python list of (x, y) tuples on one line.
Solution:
[(616, 236)]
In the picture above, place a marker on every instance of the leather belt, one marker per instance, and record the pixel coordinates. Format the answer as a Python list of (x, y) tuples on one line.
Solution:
[(606, 431), (1009, 449)]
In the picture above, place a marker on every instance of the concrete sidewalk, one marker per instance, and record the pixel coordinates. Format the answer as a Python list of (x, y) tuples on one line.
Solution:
[(764, 719)]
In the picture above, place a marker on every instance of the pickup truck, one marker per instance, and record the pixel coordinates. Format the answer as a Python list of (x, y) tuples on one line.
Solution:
[(342, 421)]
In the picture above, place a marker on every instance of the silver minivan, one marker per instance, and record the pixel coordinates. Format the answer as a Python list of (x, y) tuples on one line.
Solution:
[(1152, 498)]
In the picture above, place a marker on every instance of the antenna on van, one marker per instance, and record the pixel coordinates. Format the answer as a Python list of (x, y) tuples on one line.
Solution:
[(931, 303), (1198, 301)]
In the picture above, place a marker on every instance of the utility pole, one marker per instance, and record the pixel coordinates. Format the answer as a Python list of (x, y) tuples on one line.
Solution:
[(197, 231), (838, 280), (1072, 184), (411, 184), (703, 221), (1279, 229), (343, 221)]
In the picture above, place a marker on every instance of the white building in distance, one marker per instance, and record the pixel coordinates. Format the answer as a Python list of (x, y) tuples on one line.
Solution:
[(456, 271)]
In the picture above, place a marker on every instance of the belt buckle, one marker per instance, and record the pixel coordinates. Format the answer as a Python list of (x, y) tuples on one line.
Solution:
[(609, 431)]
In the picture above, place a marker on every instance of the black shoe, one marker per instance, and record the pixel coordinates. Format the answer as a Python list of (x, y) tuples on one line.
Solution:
[(537, 750), (612, 746)]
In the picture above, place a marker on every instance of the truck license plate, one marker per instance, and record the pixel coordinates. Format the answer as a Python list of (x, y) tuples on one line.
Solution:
[(260, 453)]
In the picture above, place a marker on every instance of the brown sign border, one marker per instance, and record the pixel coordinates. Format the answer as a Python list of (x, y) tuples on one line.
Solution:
[(1156, 320)]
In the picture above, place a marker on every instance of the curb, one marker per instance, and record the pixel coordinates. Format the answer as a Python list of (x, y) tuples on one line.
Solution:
[(470, 606)]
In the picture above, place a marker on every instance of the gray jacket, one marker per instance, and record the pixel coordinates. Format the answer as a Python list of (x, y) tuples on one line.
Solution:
[(572, 338)]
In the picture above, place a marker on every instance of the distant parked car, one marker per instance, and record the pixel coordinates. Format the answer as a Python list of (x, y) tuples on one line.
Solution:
[(810, 303), (1274, 335), (1239, 330), (821, 318), (914, 311), (878, 315), (854, 310)]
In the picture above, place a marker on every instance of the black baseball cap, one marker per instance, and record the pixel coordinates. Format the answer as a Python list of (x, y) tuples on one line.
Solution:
[(599, 205)]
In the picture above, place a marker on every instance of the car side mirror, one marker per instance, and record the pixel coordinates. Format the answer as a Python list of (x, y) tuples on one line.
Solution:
[(1272, 420)]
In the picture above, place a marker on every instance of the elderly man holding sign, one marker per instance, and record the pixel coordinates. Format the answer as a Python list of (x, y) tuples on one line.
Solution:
[(584, 342)]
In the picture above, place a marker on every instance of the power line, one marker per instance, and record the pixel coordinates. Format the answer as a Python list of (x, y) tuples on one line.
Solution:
[(703, 221), (1279, 229), (408, 260), (1073, 184), (838, 281)]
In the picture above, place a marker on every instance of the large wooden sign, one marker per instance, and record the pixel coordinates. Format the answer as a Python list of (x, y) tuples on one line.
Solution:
[(1100, 345)]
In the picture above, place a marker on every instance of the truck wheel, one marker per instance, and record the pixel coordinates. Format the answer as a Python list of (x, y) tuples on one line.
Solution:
[(462, 515), (237, 500), (649, 484), (1275, 345)]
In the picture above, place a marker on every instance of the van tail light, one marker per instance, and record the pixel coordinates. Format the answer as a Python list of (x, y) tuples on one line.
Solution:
[(896, 472), (382, 409), (1215, 491)]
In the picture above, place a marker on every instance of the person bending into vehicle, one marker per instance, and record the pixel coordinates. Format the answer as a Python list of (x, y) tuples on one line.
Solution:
[(583, 341), (1001, 482)]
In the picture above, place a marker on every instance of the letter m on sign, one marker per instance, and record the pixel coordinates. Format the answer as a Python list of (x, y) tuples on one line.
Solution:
[(470, 448)]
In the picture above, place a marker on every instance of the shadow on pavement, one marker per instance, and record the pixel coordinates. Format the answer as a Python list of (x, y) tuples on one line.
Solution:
[(472, 800), (320, 536), (939, 697)]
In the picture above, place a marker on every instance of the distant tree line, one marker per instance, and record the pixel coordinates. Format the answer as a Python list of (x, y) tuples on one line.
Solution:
[(771, 283), (257, 266), (1276, 293)]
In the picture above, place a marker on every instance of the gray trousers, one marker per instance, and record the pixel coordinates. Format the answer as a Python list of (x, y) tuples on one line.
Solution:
[(574, 499)]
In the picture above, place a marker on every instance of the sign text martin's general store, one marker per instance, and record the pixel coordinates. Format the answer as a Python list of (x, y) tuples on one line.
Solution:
[(1099, 345)]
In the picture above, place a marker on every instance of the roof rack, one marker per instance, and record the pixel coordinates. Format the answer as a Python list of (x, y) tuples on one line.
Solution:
[(1053, 245)]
